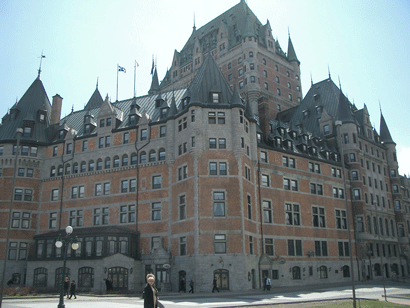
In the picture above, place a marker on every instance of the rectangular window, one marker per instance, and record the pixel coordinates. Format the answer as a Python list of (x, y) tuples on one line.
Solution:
[(54, 194), (269, 246), (85, 145), (341, 219), (143, 135), (265, 180), (220, 243), (212, 143), (156, 210), (182, 246), (126, 138), (292, 215), (182, 207), (264, 157), (219, 204), (52, 223), (294, 248), (319, 218), (156, 182), (162, 131), (98, 189), (343, 248), (222, 143), (321, 248), (267, 211)]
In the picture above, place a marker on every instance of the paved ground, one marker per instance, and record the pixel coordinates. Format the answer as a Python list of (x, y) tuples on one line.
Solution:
[(280, 297)]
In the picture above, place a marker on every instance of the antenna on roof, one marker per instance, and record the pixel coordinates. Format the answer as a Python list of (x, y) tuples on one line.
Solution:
[(41, 60)]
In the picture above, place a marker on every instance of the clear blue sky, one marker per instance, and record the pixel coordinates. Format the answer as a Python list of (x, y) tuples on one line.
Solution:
[(365, 43)]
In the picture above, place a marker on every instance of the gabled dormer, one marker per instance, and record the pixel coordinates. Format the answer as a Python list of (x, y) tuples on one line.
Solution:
[(89, 123), (133, 115)]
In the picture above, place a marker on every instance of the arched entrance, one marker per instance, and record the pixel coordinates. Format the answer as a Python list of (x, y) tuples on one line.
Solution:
[(253, 279), (222, 279), (181, 275), (119, 277)]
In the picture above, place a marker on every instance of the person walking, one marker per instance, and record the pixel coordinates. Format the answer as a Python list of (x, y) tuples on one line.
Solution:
[(66, 286), (150, 293), (268, 283), (215, 287), (72, 289), (191, 285)]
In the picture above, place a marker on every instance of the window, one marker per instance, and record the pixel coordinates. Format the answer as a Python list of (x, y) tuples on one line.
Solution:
[(162, 131), (319, 218), (86, 276), (313, 167), (156, 211), (264, 157), (55, 151), (85, 145), (251, 245), (127, 213), (54, 194), (269, 246), (20, 220), (182, 173), (321, 249), (40, 277), (356, 194), (341, 219), (182, 246), (52, 220), (267, 211), (292, 215), (182, 207), (143, 157), (125, 138), (143, 135), (76, 218), (156, 182), (220, 243), (212, 143), (219, 204), (222, 143), (98, 189), (294, 248), (265, 180), (352, 157)]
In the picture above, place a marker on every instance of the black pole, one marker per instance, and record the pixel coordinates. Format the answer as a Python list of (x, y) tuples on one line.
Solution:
[(61, 303)]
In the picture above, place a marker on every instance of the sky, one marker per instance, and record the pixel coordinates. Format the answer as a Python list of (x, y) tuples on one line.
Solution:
[(365, 44)]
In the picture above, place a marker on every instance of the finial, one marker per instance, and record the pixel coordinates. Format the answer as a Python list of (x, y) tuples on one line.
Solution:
[(288, 32), (380, 106), (311, 79), (72, 109), (41, 60), (194, 22), (340, 84), (97, 83), (328, 70)]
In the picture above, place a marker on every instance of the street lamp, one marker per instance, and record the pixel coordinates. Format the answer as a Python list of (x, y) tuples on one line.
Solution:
[(63, 242), (369, 254)]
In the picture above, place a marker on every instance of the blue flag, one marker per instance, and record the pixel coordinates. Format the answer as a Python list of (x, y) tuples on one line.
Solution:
[(121, 69)]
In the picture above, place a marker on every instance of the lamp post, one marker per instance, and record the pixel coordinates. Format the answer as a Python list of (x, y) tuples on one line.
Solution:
[(369, 254), (63, 242), (19, 132)]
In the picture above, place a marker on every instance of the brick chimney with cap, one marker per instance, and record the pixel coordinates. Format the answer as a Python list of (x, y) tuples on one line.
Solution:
[(56, 109)]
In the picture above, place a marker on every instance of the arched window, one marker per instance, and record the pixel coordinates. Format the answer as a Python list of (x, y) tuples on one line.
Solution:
[(116, 161), (99, 164), (59, 277), (124, 160), (67, 169), (91, 165), (161, 154), (40, 277), (60, 170), (152, 155), (53, 171), (143, 158), (83, 166), (346, 271), (107, 164), (75, 168), (296, 273), (323, 272), (86, 277), (134, 158)]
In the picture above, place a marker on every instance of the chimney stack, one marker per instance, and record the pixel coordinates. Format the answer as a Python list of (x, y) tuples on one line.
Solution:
[(56, 109)]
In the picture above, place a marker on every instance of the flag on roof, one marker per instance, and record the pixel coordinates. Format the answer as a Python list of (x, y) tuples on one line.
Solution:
[(121, 69)]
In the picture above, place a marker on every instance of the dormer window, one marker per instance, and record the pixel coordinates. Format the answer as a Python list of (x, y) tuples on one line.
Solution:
[(326, 129), (102, 123), (108, 122), (318, 110), (133, 119), (316, 97), (87, 129), (282, 131), (259, 137), (305, 114), (185, 102), (164, 112), (215, 98), (42, 117), (61, 134), (27, 132), (278, 142), (158, 103)]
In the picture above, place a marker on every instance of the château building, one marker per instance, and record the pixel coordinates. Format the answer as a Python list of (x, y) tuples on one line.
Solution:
[(223, 170)]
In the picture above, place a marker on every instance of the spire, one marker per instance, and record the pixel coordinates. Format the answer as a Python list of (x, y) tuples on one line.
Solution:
[(173, 107), (95, 100), (311, 79), (291, 52), (328, 70), (194, 22), (97, 84), (384, 130), (344, 113), (154, 83)]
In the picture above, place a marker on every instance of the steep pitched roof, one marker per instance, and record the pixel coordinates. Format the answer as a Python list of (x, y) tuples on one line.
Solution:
[(27, 110), (344, 113), (291, 52), (95, 100), (154, 83), (384, 131)]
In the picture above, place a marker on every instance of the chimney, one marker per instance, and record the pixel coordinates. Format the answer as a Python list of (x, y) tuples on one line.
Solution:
[(56, 109)]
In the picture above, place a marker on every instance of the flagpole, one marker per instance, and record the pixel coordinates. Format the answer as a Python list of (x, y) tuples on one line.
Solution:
[(135, 74), (117, 83)]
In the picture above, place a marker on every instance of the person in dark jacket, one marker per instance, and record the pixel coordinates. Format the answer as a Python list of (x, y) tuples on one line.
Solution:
[(72, 290), (191, 285), (150, 294), (66, 286), (215, 286)]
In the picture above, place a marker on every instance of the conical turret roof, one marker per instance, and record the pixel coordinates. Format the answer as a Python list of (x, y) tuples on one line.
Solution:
[(384, 131)]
